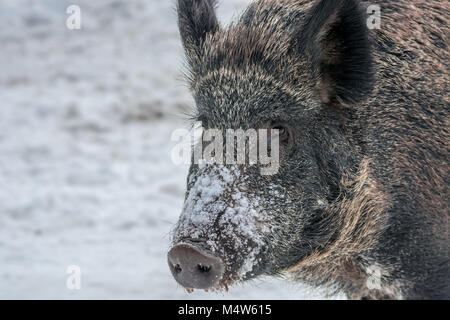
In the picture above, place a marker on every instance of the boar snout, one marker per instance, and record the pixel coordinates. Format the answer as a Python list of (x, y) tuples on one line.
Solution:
[(194, 268)]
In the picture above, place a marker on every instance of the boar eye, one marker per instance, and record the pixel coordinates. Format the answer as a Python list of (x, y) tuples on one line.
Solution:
[(283, 132)]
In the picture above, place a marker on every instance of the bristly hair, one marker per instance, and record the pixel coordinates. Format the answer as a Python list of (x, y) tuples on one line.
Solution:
[(336, 39), (196, 18), (322, 43)]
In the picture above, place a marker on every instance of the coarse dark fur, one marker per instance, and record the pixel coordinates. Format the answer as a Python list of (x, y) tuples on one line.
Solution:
[(364, 177)]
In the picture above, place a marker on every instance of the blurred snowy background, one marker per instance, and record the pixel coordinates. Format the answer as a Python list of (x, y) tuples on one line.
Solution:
[(85, 172)]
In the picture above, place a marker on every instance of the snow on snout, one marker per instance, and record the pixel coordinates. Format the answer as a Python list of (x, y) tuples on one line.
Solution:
[(221, 209)]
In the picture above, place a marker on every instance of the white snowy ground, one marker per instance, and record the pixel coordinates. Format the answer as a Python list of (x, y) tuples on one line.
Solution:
[(85, 172)]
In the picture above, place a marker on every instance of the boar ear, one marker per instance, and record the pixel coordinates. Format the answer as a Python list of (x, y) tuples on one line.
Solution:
[(335, 37), (196, 18)]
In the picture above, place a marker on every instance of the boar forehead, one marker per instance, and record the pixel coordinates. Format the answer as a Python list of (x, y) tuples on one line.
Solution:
[(234, 99), (220, 209)]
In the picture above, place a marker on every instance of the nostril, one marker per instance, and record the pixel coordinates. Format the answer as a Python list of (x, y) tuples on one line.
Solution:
[(193, 267), (203, 269), (177, 268)]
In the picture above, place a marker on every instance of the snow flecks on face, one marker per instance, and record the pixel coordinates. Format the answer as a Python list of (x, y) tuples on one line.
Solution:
[(374, 277), (221, 209), (378, 278)]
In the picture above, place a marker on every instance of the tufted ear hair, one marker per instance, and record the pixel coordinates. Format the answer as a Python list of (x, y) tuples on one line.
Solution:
[(335, 36), (196, 18)]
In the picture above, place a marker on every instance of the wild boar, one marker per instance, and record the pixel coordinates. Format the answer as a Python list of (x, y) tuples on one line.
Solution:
[(359, 202)]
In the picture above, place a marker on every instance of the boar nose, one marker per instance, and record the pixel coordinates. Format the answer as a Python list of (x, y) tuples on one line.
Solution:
[(193, 268)]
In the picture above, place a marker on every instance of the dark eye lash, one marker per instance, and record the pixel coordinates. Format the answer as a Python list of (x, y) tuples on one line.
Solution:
[(198, 118)]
